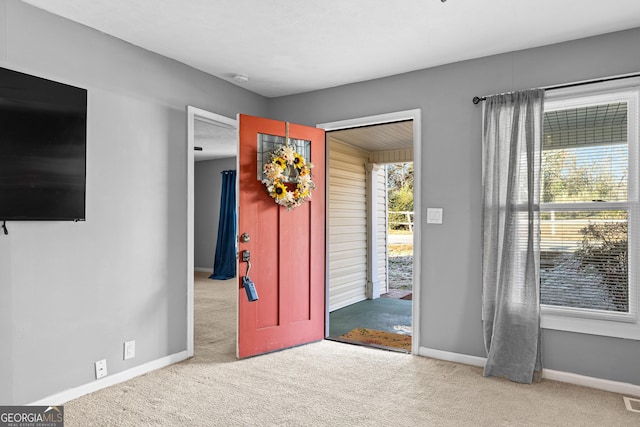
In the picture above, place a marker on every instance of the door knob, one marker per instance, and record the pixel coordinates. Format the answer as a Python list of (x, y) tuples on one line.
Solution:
[(244, 238)]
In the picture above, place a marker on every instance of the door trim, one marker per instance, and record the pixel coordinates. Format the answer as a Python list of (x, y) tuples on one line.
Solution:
[(414, 115), (194, 114)]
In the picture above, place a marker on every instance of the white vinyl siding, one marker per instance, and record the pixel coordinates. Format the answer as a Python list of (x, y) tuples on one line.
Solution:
[(381, 206), (347, 225)]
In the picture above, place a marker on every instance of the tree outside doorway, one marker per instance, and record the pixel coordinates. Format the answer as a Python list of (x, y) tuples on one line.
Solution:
[(400, 245)]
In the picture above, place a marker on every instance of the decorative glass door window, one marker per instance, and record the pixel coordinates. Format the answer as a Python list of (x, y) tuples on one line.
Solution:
[(267, 144), (284, 168)]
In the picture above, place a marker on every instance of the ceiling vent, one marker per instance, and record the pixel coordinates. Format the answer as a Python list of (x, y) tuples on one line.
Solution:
[(632, 404)]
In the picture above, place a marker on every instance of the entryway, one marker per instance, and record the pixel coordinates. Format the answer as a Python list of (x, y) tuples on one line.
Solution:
[(363, 304), (372, 285)]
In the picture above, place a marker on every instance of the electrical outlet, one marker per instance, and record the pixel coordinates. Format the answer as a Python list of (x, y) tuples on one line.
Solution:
[(101, 368), (129, 350)]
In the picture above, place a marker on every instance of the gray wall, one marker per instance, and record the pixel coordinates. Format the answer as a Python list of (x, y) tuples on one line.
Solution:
[(208, 185), (72, 293), (451, 162)]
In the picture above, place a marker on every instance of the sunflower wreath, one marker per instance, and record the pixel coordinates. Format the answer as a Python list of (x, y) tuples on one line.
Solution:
[(294, 188)]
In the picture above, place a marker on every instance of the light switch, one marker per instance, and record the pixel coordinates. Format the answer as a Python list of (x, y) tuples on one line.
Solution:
[(434, 215)]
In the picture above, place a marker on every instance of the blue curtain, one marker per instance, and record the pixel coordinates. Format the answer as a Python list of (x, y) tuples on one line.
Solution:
[(224, 265)]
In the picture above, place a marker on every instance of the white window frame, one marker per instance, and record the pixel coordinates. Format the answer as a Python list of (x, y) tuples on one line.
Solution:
[(600, 322)]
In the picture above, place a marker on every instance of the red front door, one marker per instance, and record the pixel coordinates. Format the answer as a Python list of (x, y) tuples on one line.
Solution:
[(287, 247)]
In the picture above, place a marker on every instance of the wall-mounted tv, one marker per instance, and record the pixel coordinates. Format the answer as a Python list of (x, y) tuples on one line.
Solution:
[(43, 128)]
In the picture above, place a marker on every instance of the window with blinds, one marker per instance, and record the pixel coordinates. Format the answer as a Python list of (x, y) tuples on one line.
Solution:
[(588, 207)]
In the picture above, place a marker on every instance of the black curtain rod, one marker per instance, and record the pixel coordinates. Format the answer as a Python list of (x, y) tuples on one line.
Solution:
[(478, 99)]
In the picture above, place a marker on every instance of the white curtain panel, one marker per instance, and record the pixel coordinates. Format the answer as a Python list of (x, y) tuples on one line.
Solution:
[(512, 137)]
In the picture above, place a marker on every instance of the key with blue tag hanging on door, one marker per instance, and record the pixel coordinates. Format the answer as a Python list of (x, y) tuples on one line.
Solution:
[(247, 283)]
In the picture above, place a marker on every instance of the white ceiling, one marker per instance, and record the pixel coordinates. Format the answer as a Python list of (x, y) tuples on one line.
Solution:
[(294, 46), (382, 137)]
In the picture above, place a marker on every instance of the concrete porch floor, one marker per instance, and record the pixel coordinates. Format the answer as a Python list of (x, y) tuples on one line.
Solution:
[(383, 314)]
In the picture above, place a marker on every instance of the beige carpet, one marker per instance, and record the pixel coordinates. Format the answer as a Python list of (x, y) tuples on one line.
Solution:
[(329, 384)]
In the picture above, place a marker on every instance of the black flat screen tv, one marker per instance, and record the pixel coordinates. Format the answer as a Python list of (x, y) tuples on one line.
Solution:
[(43, 128)]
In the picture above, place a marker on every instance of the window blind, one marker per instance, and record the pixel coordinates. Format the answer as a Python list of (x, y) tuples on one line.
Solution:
[(585, 211)]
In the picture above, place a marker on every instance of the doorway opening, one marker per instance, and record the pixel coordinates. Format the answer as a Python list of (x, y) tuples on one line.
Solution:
[(371, 294), (211, 148)]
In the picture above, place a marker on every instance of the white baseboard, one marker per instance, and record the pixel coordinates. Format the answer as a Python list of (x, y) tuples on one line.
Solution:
[(203, 269), (452, 357), (109, 380), (606, 385), (565, 377)]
